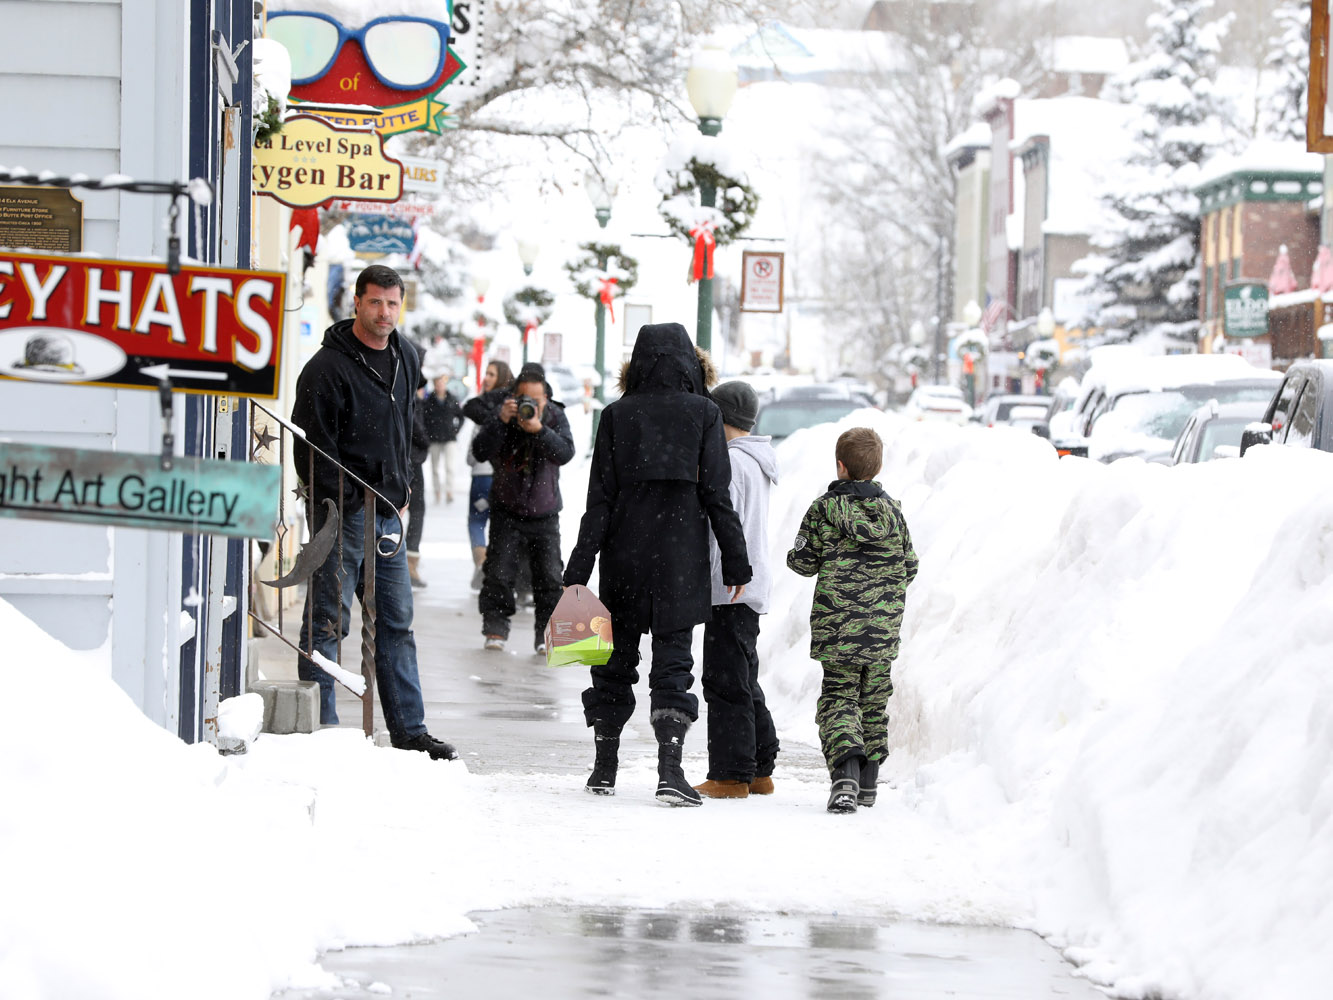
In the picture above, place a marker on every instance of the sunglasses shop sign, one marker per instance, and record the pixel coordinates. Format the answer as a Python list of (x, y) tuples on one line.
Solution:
[(310, 161)]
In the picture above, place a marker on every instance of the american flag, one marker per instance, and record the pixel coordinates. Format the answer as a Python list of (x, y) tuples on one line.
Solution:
[(995, 310)]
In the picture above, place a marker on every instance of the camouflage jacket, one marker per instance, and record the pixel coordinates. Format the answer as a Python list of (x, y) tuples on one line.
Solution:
[(854, 539)]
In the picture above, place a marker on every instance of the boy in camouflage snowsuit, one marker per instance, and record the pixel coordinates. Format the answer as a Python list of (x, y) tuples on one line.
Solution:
[(855, 540)]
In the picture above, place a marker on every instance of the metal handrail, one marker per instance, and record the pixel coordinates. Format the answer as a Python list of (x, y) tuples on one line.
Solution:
[(371, 545)]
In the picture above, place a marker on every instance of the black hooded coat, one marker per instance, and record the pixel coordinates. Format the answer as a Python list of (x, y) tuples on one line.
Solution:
[(660, 477)]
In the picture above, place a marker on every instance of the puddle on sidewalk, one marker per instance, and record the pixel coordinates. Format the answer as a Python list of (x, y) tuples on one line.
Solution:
[(559, 952)]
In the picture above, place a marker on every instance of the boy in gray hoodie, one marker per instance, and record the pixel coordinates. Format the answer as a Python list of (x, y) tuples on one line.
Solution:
[(742, 743)]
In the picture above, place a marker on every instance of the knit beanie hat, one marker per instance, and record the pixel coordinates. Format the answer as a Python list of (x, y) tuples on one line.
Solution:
[(739, 404)]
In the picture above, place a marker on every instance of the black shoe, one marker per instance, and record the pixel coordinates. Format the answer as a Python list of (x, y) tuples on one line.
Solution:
[(602, 781), (846, 786), (426, 743), (672, 788), (865, 797)]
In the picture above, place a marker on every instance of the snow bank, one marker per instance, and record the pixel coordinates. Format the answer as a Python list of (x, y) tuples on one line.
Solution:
[(1120, 673), (1113, 724)]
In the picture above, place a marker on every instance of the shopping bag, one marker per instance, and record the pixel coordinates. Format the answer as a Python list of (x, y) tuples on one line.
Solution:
[(579, 629)]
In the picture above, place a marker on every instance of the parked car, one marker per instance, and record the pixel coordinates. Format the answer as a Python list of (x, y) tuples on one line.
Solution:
[(995, 409), (1030, 418), (827, 390), (788, 414), (1214, 431), (1140, 409), (937, 402), (1300, 414)]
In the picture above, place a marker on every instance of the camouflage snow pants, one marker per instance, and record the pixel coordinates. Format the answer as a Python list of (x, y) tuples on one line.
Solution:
[(853, 712)]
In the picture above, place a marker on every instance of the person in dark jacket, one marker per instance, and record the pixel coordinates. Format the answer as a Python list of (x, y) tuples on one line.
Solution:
[(525, 454), (443, 415), (478, 409), (659, 480), (355, 401)]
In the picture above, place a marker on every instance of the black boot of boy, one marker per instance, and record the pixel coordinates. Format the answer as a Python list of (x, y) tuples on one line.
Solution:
[(846, 786), (672, 788), (606, 739), (865, 798)]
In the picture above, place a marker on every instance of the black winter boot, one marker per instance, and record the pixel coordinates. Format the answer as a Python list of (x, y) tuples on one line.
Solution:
[(606, 739), (672, 788), (869, 776), (846, 786)]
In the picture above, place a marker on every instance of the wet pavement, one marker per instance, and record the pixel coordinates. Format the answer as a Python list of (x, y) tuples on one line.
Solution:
[(647, 954), (508, 712)]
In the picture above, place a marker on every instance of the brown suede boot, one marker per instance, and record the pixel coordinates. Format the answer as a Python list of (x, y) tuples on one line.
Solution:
[(413, 565), (723, 788), (762, 786)]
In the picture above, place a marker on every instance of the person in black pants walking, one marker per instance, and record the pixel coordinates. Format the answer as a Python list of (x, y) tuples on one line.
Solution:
[(659, 481), (742, 742), (525, 452)]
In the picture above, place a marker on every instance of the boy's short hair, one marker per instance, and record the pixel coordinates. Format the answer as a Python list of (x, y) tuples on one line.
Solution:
[(861, 452)]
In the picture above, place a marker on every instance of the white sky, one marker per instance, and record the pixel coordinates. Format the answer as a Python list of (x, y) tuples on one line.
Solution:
[(1113, 724)]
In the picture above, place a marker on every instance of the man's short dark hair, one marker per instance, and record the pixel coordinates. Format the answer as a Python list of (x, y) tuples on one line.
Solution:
[(861, 452), (380, 276)]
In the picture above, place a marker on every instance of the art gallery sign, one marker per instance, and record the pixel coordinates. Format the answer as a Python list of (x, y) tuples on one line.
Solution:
[(310, 161)]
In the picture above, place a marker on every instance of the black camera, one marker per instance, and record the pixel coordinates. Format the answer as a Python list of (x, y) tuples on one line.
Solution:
[(527, 407)]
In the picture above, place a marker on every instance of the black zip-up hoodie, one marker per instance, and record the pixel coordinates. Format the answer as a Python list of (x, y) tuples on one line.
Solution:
[(347, 410)]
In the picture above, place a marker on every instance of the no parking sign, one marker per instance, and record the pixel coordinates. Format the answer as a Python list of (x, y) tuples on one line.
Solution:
[(761, 282)]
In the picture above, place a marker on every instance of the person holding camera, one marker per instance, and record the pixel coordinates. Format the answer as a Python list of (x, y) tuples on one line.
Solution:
[(526, 442)]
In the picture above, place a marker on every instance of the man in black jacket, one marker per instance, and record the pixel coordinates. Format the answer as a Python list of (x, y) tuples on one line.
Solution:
[(355, 401), (526, 453)]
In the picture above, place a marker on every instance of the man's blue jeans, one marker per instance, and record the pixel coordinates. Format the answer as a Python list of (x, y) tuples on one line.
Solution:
[(332, 587)]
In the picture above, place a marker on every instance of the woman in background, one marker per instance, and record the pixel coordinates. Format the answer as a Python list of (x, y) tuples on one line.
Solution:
[(478, 409)]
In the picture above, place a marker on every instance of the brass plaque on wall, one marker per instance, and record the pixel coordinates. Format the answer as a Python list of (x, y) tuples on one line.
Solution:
[(46, 219)]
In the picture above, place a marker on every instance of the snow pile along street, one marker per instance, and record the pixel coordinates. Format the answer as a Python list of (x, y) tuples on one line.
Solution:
[(1113, 723)]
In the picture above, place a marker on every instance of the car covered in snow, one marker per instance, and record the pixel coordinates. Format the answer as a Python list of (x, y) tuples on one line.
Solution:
[(937, 402), (1214, 431), (1139, 409), (807, 406), (1300, 414), (995, 409)]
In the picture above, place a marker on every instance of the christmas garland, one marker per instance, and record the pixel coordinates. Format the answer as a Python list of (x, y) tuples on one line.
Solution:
[(528, 308), (603, 284), (736, 201)]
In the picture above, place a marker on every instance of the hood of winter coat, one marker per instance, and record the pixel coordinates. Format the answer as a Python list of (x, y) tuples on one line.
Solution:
[(760, 448), (664, 357), (860, 509)]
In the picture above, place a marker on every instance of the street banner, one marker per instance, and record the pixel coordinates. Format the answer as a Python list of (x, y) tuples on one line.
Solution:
[(127, 490), (130, 324), (379, 234), (311, 161), (761, 282)]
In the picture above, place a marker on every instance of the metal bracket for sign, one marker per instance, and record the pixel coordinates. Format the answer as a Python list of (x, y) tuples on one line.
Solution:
[(168, 438), (196, 189)]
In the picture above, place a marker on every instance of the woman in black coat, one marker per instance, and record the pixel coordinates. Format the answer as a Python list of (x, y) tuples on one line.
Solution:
[(659, 482)]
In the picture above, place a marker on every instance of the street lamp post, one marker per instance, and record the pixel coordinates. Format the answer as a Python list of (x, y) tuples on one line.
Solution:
[(971, 316), (711, 84), (600, 193), (528, 248)]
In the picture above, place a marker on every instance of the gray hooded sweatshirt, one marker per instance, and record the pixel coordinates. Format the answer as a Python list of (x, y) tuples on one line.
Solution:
[(754, 470)]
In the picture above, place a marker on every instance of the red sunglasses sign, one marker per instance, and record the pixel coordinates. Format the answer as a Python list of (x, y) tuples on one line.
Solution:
[(117, 323), (397, 64)]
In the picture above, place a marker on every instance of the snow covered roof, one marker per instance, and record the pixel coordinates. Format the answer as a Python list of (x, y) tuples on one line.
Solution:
[(805, 53), (975, 136), (1088, 54), (989, 97), (1088, 139), (1263, 156)]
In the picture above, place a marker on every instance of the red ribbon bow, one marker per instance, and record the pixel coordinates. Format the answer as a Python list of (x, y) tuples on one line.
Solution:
[(527, 330), (704, 241), (608, 285)]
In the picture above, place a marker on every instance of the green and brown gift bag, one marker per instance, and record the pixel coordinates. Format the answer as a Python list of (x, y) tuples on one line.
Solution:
[(579, 630)]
